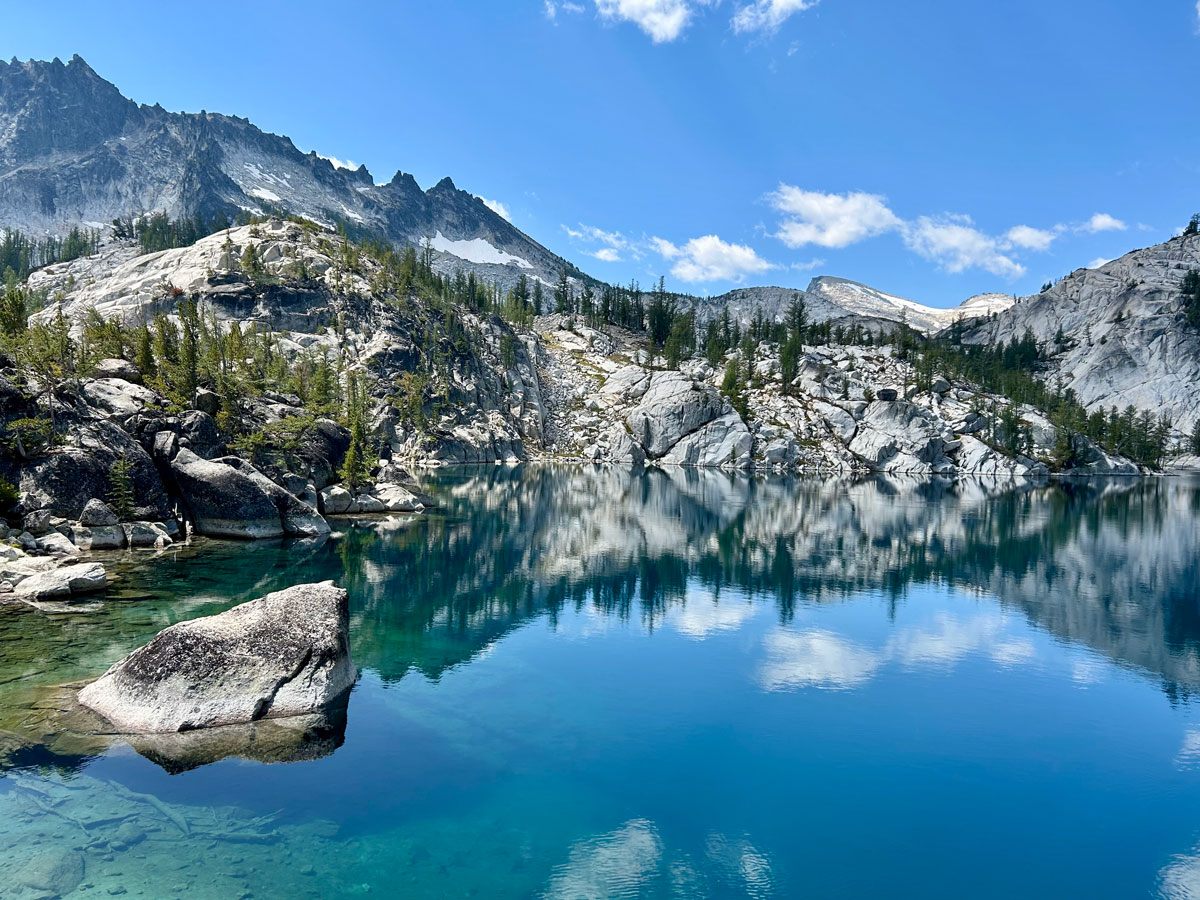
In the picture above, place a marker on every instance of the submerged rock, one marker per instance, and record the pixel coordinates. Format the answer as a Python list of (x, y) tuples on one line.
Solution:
[(285, 654), (52, 872)]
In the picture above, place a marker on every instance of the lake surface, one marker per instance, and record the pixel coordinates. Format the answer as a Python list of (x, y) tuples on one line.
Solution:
[(583, 683)]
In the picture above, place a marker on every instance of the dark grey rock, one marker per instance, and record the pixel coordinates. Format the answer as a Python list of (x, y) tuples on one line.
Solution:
[(96, 512)]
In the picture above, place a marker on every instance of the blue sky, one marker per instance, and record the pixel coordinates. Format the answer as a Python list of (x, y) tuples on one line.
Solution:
[(932, 149)]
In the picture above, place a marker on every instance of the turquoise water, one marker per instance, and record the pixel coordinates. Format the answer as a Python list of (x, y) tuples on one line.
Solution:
[(586, 683)]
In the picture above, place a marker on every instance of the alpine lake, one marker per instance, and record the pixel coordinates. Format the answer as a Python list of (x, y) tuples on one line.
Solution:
[(583, 682)]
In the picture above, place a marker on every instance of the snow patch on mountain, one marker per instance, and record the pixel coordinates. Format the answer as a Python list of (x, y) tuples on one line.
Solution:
[(859, 299), (478, 251)]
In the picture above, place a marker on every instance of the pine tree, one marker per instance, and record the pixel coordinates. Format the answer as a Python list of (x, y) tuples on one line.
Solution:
[(732, 387), (356, 467), (122, 498), (1196, 438)]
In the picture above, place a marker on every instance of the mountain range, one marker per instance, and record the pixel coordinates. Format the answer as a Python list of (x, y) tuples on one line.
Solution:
[(74, 150)]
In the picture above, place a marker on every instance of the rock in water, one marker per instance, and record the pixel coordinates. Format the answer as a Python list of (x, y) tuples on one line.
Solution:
[(52, 873), (63, 582), (285, 654)]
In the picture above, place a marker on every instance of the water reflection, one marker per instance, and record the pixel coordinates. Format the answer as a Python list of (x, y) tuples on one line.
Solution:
[(588, 683), (1110, 565)]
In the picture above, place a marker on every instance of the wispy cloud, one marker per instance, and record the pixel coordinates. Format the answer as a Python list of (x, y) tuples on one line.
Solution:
[(1029, 238), (767, 15), (340, 163), (666, 20), (813, 263), (606, 246), (955, 244), (953, 241), (661, 20), (551, 9)]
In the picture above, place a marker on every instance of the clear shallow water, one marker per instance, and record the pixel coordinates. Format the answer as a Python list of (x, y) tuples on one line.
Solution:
[(583, 683)]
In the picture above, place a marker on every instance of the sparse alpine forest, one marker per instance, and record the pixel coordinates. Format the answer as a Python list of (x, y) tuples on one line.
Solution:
[(297, 467)]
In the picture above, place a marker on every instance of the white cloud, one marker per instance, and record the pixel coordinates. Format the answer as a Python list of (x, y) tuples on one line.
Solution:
[(662, 20), (956, 245), (1030, 238), (498, 208), (767, 15), (815, 658), (1098, 262), (664, 248), (613, 245), (952, 241), (1103, 222), (709, 258), (830, 220), (552, 9), (341, 163), (1198, 15), (592, 234), (619, 863)]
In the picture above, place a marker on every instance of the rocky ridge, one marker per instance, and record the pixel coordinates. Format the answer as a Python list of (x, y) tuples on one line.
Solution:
[(1123, 338)]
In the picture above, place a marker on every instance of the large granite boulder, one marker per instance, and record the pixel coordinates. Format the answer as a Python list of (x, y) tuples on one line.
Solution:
[(897, 436), (118, 398), (671, 408), (297, 517), (228, 497), (97, 512), (725, 441), (285, 654)]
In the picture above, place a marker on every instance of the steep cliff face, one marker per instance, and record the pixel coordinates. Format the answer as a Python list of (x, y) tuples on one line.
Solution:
[(73, 150), (1124, 340)]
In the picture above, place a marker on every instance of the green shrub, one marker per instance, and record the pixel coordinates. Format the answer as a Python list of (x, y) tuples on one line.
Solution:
[(9, 495)]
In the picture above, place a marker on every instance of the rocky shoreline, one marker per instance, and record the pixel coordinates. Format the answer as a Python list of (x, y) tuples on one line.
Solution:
[(124, 460)]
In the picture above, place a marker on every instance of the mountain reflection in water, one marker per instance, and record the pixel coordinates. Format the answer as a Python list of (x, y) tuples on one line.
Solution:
[(1113, 565), (583, 682)]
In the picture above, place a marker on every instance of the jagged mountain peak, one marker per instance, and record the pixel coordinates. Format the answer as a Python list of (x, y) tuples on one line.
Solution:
[(74, 150)]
